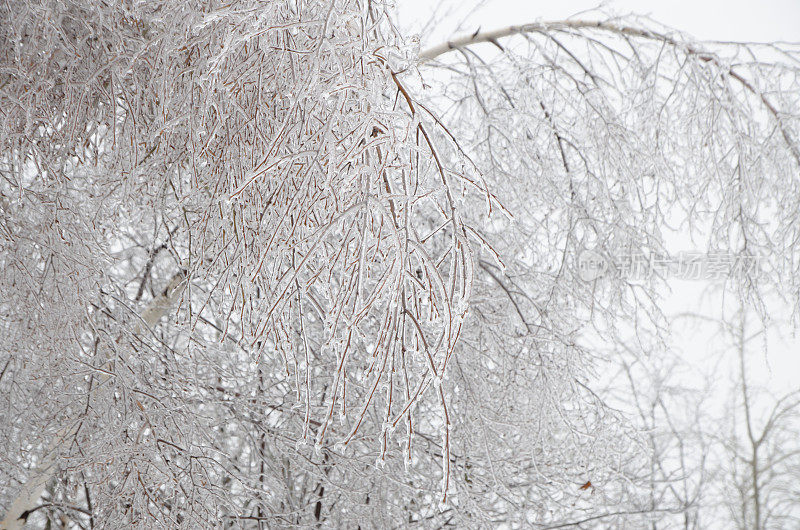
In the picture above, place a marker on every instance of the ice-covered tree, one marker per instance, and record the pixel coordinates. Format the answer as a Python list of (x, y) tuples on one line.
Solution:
[(270, 264)]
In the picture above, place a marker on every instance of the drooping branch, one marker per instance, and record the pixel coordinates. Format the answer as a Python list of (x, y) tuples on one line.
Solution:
[(494, 36)]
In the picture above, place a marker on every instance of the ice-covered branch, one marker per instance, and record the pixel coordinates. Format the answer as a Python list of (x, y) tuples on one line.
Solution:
[(31, 491)]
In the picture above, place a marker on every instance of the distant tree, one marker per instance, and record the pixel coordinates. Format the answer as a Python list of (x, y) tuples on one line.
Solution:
[(271, 265), (761, 463)]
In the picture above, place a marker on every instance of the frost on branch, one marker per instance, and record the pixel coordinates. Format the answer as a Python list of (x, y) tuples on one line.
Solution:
[(270, 151)]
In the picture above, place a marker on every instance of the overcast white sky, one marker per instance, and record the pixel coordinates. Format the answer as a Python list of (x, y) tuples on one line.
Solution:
[(749, 20)]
